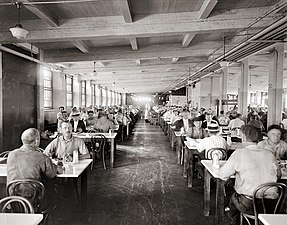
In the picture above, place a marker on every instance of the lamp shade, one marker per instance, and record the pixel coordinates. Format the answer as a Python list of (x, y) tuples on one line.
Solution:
[(224, 63), (19, 32)]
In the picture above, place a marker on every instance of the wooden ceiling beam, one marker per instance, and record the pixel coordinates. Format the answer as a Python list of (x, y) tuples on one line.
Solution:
[(126, 10), (43, 13), (153, 25), (186, 40), (175, 59), (134, 44), (206, 8), (82, 46), (124, 53), (88, 67)]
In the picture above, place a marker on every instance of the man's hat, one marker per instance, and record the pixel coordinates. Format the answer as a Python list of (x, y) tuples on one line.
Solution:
[(75, 114), (197, 119), (213, 127)]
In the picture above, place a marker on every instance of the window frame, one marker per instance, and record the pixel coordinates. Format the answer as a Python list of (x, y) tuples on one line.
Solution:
[(69, 91), (48, 89)]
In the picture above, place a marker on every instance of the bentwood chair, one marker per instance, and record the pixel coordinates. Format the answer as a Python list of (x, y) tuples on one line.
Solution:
[(222, 153), (33, 191), (98, 142), (262, 204), (4, 154), (15, 204)]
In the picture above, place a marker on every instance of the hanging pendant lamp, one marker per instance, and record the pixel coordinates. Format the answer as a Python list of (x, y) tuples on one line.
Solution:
[(18, 31), (224, 63)]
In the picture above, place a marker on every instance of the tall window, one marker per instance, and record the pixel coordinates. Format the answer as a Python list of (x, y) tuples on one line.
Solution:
[(93, 94), (109, 97), (104, 97), (48, 91), (119, 99), (98, 96), (84, 92), (69, 91), (113, 98)]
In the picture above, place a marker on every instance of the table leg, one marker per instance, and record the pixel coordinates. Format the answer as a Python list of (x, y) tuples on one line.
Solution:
[(172, 140), (190, 169), (207, 177), (84, 190), (185, 160), (112, 152), (219, 211)]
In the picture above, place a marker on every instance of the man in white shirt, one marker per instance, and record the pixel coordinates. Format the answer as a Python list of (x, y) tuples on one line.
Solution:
[(252, 167), (213, 141), (185, 122), (236, 123)]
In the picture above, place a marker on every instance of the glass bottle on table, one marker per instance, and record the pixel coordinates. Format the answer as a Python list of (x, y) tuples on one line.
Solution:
[(228, 139), (215, 160), (75, 156)]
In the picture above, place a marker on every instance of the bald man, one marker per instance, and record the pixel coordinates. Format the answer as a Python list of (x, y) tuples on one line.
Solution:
[(27, 162)]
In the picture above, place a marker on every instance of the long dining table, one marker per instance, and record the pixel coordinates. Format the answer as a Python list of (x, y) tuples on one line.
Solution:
[(189, 151), (273, 219), (86, 137), (20, 219), (73, 171), (209, 172)]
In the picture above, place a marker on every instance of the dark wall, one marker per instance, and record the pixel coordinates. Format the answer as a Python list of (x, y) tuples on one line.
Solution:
[(180, 92), (19, 98)]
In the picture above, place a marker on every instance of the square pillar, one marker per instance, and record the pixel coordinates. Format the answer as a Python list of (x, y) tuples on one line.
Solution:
[(243, 88), (40, 93), (275, 85)]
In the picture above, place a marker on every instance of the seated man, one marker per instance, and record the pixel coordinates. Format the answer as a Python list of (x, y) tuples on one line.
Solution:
[(64, 145), (103, 123), (185, 122), (65, 118), (252, 167), (273, 142), (60, 115), (236, 122), (91, 120), (28, 162), (77, 124), (223, 119), (196, 132), (213, 141)]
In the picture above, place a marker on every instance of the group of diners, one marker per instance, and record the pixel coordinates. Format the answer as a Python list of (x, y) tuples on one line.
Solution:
[(98, 119), (31, 163), (257, 161)]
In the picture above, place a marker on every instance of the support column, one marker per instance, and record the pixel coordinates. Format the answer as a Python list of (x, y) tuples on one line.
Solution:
[(40, 93), (275, 85), (1, 101), (223, 88), (243, 88)]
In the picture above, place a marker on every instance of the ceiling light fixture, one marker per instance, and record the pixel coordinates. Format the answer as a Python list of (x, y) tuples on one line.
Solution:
[(224, 63), (18, 31)]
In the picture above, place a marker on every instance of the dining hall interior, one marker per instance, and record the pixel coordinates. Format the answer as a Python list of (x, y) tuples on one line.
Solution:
[(142, 60)]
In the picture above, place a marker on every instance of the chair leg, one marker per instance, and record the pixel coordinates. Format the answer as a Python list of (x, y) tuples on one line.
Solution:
[(103, 158)]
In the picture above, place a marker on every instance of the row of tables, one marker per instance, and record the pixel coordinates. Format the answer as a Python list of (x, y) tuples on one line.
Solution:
[(185, 156)]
